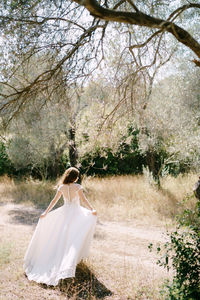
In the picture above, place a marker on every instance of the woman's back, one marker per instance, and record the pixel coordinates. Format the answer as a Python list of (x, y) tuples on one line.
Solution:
[(70, 192)]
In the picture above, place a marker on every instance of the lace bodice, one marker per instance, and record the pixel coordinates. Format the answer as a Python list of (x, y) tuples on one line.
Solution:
[(70, 193)]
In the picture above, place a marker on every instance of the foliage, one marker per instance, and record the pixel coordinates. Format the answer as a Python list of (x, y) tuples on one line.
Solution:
[(170, 124), (51, 48), (39, 139), (6, 166), (38, 162), (127, 159), (73, 43), (182, 253), (162, 138)]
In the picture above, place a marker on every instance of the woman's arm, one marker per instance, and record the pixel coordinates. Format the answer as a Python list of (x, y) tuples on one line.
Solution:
[(52, 204), (85, 200)]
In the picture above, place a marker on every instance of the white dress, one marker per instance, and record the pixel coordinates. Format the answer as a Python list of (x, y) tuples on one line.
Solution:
[(60, 240)]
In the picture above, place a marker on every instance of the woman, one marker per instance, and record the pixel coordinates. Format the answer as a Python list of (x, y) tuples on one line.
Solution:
[(62, 237)]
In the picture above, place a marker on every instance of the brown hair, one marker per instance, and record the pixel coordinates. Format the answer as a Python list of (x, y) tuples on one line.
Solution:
[(70, 176)]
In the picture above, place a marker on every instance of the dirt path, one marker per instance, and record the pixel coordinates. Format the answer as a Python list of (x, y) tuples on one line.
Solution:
[(119, 258)]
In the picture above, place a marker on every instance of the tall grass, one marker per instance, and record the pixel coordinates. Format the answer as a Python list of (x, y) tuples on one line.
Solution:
[(28, 192), (119, 198), (134, 197)]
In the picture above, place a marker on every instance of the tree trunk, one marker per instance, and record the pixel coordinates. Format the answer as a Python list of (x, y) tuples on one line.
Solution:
[(153, 168), (73, 153)]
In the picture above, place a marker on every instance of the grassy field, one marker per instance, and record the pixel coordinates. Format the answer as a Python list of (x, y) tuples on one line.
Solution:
[(131, 214), (120, 198)]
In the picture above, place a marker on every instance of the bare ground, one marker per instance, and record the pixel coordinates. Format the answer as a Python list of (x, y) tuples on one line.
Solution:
[(120, 265)]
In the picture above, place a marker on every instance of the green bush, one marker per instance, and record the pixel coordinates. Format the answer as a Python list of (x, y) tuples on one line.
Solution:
[(126, 160), (6, 166), (182, 253)]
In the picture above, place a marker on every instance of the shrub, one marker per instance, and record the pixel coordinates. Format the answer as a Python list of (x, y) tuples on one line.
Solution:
[(6, 166), (182, 253), (126, 160)]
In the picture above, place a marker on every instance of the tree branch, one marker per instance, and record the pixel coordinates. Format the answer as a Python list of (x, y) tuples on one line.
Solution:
[(21, 95), (33, 20), (146, 42), (141, 19)]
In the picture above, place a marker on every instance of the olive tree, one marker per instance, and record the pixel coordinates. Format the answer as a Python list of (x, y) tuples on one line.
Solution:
[(171, 123), (76, 42)]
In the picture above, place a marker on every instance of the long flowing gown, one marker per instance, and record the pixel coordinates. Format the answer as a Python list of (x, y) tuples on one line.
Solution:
[(61, 240)]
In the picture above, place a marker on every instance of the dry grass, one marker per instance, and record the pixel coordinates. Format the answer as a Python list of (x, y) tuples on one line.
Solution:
[(133, 197), (131, 212), (27, 192), (120, 198)]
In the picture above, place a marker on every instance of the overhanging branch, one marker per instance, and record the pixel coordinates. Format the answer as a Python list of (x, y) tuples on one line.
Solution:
[(15, 98), (141, 19)]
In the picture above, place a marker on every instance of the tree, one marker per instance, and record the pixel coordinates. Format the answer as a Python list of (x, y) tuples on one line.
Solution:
[(47, 119), (141, 19), (66, 45), (76, 43), (171, 125), (37, 140), (58, 38)]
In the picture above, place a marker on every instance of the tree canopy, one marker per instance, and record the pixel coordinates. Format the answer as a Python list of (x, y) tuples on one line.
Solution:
[(75, 42), (100, 62), (135, 16)]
